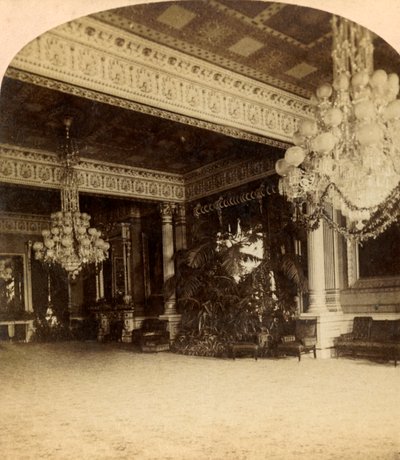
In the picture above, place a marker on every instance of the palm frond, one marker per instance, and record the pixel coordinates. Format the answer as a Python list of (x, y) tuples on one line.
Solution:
[(201, 255), (292, 268)]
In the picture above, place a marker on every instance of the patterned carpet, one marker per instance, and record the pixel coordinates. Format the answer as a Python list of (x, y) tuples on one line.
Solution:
[(97, 401)]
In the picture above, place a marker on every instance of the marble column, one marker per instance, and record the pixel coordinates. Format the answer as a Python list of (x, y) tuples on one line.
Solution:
[(323, 273), (170, 313), (167, 210)]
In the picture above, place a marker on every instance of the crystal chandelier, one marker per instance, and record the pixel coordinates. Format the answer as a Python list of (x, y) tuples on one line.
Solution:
[(70, 242), (348, 155)]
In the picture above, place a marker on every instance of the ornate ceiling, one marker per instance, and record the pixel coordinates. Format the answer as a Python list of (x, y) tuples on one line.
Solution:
[(31, 117), (284, 46)]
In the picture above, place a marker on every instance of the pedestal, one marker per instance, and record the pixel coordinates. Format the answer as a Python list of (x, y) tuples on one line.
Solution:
[(174, 321), (329, 326), (127, 330)]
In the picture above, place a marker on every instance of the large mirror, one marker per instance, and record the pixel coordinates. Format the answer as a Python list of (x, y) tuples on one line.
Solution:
[(379, 257), (375, 262)]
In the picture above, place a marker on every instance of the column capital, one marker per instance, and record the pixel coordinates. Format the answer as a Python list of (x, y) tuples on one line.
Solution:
[(167, 211)]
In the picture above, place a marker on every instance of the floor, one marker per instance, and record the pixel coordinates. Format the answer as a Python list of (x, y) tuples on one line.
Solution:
[(107, 401)]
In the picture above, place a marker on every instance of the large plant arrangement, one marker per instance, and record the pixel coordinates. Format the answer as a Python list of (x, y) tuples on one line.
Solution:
[(221, 300)]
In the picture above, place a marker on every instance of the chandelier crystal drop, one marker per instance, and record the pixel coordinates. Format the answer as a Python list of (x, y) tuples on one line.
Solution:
[(71, 242), (348, 155)]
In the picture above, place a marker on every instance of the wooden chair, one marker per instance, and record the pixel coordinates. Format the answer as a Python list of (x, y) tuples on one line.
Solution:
[(304, 340)]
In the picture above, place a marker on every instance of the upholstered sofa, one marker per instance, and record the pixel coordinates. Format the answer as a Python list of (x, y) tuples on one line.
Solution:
[(153, 335), (373, 338)]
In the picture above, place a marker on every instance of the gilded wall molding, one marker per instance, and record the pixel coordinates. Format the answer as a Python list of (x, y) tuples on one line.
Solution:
[(23, 224), (42, 169), (95, 56)]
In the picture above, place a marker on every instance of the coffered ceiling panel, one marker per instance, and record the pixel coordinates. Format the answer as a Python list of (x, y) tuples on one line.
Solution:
[(287, 46)]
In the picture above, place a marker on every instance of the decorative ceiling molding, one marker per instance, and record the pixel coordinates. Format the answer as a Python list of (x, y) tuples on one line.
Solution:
[(95, 56), (42, 169), (139, 28), (25, 224), (219, 177), (29, 167), (130, 105)]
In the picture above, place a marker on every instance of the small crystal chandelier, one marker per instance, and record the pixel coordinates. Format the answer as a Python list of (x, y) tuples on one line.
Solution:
[(348, 156), (70, 242)]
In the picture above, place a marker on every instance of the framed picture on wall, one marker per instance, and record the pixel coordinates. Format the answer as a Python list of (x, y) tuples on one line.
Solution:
[(12, 285)]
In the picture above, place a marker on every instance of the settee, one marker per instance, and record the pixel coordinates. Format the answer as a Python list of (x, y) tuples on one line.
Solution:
[(371, 338)]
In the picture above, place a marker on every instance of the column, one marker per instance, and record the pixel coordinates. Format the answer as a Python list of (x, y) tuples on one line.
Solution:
[(168, 252), (316, 270), (28, 278), (323, 273), (99, 282), (126, 254), (170, 312), (180, 227)]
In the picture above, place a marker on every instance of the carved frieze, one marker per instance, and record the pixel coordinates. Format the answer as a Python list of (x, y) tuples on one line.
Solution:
[(41, 169), (24, 224), (95, 56), (220, 176)]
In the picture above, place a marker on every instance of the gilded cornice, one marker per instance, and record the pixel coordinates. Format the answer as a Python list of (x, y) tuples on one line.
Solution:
[(89, 54), (42, 169)]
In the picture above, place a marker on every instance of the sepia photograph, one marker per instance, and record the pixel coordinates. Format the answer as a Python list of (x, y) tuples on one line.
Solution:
[(200, 230)]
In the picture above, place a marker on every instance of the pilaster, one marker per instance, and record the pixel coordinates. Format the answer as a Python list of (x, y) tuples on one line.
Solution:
[(316, 271), (180, 227)]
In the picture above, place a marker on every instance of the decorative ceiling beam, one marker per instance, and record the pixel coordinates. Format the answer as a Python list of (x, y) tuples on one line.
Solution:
[(103, 59)]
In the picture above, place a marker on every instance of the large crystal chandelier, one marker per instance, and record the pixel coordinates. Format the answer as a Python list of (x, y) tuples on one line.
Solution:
[(348, 156), (70, 242)]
